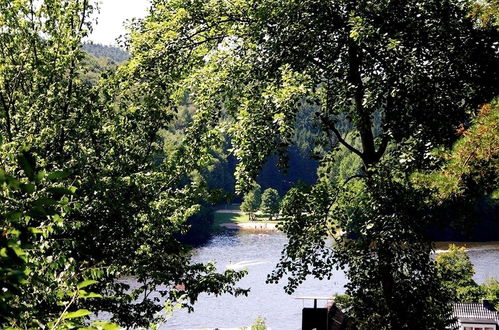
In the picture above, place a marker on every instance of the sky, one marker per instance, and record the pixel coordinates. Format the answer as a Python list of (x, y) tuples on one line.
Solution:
[(112, 15)]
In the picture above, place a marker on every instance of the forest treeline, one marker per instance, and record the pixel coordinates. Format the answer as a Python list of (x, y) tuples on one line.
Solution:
[(114, 53), (301, 166)]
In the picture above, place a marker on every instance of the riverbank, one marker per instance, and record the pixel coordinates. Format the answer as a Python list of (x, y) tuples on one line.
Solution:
[(468, 246), (235, 219), (251, 225)]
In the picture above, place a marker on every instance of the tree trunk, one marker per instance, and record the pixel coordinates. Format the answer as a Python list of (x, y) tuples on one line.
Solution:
[(363, 117)]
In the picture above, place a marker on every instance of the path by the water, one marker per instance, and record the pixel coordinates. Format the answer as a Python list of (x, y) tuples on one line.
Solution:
[(251, 225), (261, 225)]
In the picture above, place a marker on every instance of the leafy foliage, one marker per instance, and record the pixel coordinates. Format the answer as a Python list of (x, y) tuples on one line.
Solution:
[(415, 68), (397, 77), (486, 12), (102, 138), (42, 285), (491, 289), (259, 324), (251, 202), (467, 174), (456, 270), (471, 166), (270, 202)]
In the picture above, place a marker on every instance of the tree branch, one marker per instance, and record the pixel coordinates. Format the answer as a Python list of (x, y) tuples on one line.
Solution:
[(382, 147), (345, 143), (356, 176)]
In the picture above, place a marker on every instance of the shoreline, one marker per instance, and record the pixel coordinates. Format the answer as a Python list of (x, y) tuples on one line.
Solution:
[(250, 225)]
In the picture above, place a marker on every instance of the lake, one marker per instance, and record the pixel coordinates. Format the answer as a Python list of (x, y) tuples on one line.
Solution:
[(259, 253)]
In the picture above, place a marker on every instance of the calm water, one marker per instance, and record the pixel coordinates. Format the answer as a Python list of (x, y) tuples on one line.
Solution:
[(258, 253)]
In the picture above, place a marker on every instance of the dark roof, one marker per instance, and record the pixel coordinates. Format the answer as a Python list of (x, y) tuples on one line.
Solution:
[(475, 313), (336, 318)]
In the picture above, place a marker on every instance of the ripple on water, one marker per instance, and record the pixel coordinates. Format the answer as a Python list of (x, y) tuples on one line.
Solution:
[(258, 253)]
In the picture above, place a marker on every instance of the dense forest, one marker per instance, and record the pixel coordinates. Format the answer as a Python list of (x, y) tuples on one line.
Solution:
[(114, 53), (376, 121)]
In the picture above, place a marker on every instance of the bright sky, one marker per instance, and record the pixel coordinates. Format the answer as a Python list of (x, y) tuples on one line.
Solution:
[(112, 15)]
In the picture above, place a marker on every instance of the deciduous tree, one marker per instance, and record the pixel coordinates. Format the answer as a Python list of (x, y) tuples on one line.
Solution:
[(251, 202), (270, 202), (104, 137), (418, 67)]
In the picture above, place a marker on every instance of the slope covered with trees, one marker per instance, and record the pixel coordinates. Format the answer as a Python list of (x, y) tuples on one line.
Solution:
[(116, 54)]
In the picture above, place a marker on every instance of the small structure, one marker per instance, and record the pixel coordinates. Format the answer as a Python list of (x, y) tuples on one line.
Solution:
[(476, 316), (329, 317)]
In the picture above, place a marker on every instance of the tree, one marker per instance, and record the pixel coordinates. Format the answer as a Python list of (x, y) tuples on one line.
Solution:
[(251, 202), (270, 202), (467, 175), (486, 12), (129, 205), (456, 270), (491, 289), (419, 67), (34, 209), (469, 169), (259, 324)]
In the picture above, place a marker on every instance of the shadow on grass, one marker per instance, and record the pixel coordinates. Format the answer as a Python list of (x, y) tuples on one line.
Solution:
[(220, 218)]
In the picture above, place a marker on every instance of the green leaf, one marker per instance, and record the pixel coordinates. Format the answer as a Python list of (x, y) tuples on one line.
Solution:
[(78, 313), (59, 191), (86, 283), (44, 202), (28, 188), (13, 216), (27, 162), (58, 175), (102, 325), (37, 212), (40, 175), (18, 251), (36, 230), (89, 295)]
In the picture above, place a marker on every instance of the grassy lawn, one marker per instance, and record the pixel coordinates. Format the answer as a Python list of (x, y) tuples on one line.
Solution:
[(220, 218), (229, 217)]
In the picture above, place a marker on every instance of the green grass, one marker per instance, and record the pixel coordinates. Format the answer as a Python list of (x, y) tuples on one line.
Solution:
[(220, 218)]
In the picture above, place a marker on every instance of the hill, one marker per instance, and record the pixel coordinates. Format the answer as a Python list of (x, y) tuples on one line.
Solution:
[(116, 54)]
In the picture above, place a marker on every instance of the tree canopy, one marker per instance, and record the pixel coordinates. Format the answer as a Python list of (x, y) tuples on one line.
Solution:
[(126, 207), (418, 69), (456, 270), (251, 202), (270, 202), (385, 82)]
